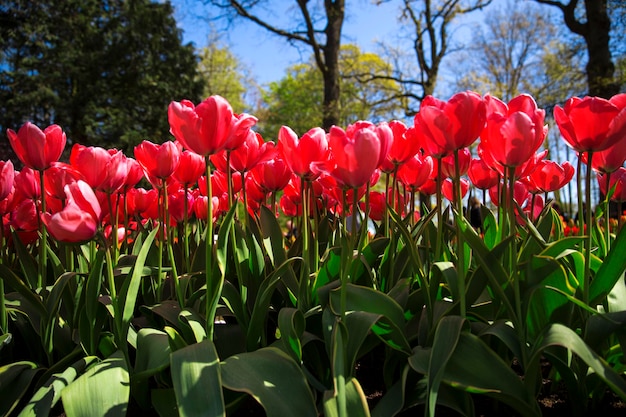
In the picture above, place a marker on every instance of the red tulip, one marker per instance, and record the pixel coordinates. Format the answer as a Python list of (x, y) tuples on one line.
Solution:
[(514, 132), (92, 162), (37, 149), (272, 175), (355, 153), (79, 220), (550, 176), (176, 201), (158, 161), (618, 180), (204, 129), (134, 175), (57, 177), (7, 175), (27, 183), (24, 216), (448, 164), (242, 123), (416, 171), (448, 188), (252, 151), (300, 155), (592, 124), (448, 126), (190, 168), (405, 144), (481, 175), (608, 160)]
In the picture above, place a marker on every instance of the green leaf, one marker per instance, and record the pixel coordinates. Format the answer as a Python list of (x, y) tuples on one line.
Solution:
[(47, 396), (15, 378), (194, 322), (18, 285), (273, 379), (27, 262), (390, 324), (610, 271), (153, 352), (356, 402), (197, 380), (559, 335), (475, 368), (256, 329), (128, 294), (103, 390), (446, 338), (291, 325)]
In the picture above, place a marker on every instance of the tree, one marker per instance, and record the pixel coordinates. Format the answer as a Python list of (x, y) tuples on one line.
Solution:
[(105, 71), (518, 50), (297, 99), (427, 36), (595, 28), (222, 74), (316, 26)]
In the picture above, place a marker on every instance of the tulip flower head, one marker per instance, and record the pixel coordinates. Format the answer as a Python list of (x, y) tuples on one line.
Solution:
[(203, 129), (80, 218), (37, 149), (592, 124)]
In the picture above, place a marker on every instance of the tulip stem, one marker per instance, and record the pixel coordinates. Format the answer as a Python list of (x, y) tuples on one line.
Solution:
[(438, 242), (43, 254), (587, 213), (212, 299), (459, 235), (607, 218)]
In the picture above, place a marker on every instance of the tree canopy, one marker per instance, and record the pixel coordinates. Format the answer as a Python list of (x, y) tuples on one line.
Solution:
[(297, 99), (103, 70)]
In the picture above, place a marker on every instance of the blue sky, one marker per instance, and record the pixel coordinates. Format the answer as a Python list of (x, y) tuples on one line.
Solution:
[(267, 56)]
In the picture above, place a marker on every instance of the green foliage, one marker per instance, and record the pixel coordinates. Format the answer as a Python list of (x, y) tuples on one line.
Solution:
[(222, 74), (105, 71), (296, 100)]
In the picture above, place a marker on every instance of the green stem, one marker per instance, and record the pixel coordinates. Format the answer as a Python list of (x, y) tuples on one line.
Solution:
[(581, 224), (185, 232), (211, 302), (607, 217), (513, 252), (439, 242), (587, 213), (161, 241), (43, 254), (170, 250), (459, 235)]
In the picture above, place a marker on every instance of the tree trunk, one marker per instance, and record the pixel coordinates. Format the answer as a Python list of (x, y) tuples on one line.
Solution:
[(335, 14), (600, 68)]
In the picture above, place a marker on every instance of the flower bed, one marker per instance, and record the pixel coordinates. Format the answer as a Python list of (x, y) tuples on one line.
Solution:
[(306, 278)]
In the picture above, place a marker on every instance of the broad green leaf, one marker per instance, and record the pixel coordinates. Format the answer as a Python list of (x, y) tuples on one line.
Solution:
[(560, 335), (164, 402), (53, 303), (256, 330), (15, 283), (543, 302), (193, 322), (15, 378), (153, 352), (29, 266), (390, 326), (175, 340), (291, 325), (610, 270), (128, 295), (197, 381), (103, 390), (356, 402), (446, 338), (475, 368), (47, 396), (273, 379), (274, 243)]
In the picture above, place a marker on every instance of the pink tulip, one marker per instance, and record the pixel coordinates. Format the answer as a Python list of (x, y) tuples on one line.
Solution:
[(37, 149)]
